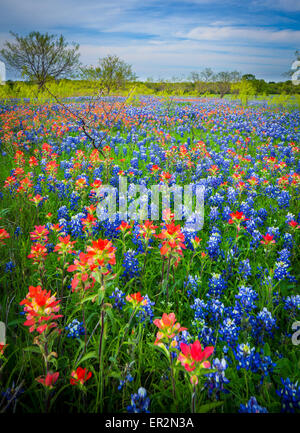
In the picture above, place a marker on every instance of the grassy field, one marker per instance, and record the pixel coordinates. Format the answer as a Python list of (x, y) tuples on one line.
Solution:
[(141, 314)]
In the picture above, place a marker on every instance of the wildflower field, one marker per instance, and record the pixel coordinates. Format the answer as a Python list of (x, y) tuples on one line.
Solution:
[(149, 315)]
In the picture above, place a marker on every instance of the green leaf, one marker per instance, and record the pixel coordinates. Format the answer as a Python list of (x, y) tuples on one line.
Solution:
[(89, 355), (207, 407), (267, 350)]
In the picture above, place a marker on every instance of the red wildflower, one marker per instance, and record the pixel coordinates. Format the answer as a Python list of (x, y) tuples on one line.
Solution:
[(124, 226), (172, 241), (213, 169), (136, 299), (268, 239), (83, 270), (193, 356), (2, 348), (3, 235), (37, 199), (101, 253), (294, 225), (155, 168), (10, 181), (165, 176), (65, 245), (38, 253), (48, 381), (40, 306), (39, 234), (168, 328), (80, 183), (89, 222), (147, 229), (80, 376), (237, 217)]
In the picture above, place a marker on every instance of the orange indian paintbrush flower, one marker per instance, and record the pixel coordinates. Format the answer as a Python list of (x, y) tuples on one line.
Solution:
[(168, 328), (80, 376), (192, 355), (40, 308)]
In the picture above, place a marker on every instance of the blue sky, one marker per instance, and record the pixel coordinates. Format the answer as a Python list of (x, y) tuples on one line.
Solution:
[(169, 38)]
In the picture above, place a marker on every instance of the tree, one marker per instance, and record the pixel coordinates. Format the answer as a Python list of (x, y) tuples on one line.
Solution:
[(245, 89), (224, 80), (248, 77), (201, 80), (112, 73), (207, 75), (41, 57)]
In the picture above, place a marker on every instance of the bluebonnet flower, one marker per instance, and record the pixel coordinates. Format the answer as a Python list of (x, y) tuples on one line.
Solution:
[(76, 226), (252, 407), (213, 244), (262, 213), (229, 331), (244, 354), (263, 323), (256, 236), (290, 395), (281, 270), (292, 304), (216, 285), (284, 255), (283, 199), (64, 224), (215, 309), (289, 217), (200, 309), (288, 240), (274, 231), (139, 402), (183, 337), (50, 247), (74, 199), (245, 299), (63, 212), (205, 334), (131, 265), (214, 213), (9, 266), (217, 380), (127, 379), (11, 395), (118, 298), (231, 195), (226, 213), (245, 269), (75, 329), (145, 311), (17, 231), (192, 284), (110, 228), (262, 363)]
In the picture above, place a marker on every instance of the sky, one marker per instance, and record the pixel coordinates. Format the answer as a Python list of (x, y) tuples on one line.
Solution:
[(168, 38)]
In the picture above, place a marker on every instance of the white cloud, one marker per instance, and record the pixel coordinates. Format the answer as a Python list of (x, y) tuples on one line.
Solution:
[(238, 34), (186, 56)]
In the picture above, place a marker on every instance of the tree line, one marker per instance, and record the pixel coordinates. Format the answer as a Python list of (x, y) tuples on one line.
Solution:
[(44, 58)]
